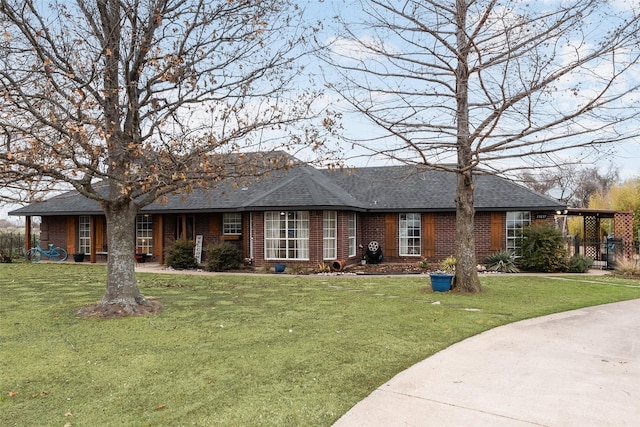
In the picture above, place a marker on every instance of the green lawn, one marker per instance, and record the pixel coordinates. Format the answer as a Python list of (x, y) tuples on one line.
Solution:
[(246, 350)]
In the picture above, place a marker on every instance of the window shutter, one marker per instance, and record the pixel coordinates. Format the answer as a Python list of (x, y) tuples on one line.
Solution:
[(497, 226), (98, 224), (429, 235), (216, 225), (390, 235), (71, 234)]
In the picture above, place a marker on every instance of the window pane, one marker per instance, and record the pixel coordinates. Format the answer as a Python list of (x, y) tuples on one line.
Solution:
[(232, 223), (144, 234), (515, 222), (410, 234), (329, 231), (84, 235), (352, 234), (287, 235)]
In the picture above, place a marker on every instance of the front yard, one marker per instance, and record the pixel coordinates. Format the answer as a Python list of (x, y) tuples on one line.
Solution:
[(236, 350)]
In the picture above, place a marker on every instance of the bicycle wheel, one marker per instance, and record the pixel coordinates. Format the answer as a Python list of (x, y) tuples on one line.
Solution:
[(58, 254), (33, 255)]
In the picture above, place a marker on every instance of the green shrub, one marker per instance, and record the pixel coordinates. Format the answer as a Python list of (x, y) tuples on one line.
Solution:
[(542, 249), (223, 257), (180, 256), (503, 261), (579, 264)]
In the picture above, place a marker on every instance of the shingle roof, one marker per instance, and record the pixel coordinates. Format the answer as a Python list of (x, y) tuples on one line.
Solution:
[(402, 188), (381, 189)]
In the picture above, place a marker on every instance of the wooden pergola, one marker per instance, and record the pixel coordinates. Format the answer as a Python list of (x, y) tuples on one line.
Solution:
[(603, 249)]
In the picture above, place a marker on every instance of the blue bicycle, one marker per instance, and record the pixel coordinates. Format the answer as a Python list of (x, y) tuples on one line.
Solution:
[(56, 254)]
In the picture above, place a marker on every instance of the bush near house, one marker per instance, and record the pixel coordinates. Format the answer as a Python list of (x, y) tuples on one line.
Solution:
[(542, 249), (579, 264), (223, 257), (180, 256)]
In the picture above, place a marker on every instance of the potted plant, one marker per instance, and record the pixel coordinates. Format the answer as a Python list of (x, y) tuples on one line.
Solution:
[(78, 257), (442, 279)]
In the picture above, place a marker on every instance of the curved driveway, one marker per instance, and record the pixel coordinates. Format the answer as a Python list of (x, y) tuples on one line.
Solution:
[(578, 368)]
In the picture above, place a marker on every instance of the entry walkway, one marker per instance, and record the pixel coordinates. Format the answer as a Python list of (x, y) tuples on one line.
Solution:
[(579, 368)]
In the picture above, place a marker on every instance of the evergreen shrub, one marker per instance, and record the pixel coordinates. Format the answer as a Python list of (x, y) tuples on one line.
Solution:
[(579, 264), (223, 257), (180, 256), (541, 248)]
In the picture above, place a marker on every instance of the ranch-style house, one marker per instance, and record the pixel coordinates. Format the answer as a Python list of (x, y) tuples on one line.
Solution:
[(306, 216)]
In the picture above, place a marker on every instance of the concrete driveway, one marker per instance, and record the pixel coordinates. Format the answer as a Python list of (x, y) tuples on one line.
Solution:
[(579, 368)]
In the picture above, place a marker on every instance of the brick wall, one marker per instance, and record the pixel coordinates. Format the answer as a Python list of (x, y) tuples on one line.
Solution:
[(53, 229), (258, 238), (483, 235), (370, 226), (445, 235), (315, 239)]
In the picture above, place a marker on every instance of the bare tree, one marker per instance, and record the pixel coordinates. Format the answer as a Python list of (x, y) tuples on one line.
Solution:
[(487, 83), (571, 184), (147, 97)]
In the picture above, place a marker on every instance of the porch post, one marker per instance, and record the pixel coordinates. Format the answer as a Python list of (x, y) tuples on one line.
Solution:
[(27, 233), (92, 239)]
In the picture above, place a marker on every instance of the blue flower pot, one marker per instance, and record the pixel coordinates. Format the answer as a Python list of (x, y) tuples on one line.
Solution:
[(279, 267), (441, 282)]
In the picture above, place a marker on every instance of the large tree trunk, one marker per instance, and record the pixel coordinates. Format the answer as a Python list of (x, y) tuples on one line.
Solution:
[(121, 277), (122, 296), (466, 279)]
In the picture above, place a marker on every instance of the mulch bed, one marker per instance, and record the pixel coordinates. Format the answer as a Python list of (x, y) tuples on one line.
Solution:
[(391, 268)]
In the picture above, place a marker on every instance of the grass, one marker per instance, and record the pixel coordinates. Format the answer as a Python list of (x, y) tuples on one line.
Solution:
[(240, 350)]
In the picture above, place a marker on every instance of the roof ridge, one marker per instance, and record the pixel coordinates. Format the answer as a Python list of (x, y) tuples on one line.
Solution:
[(322, 179), (281, 183)]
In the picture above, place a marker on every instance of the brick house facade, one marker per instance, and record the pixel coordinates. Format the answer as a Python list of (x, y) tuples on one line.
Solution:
[(306, 216)]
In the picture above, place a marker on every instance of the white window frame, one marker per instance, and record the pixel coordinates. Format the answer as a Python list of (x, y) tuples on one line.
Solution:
[(232, 223), (515, 222), (84, 234), (352, 234), (329, 235), (410, 228), (144, 233), (286, 235)]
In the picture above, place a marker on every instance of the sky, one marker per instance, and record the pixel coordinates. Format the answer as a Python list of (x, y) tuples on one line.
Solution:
[(623, 156)]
